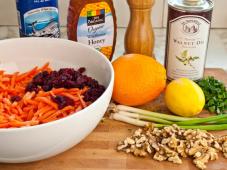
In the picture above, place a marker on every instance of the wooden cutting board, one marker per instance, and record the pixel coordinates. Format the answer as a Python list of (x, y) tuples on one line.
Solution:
[(97, 151)]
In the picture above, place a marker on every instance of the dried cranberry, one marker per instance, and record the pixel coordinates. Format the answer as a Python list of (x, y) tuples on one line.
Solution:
[(15, 99), (69, 71), (66, 78), (47, 87), (53, 74), (70, 84), (63, 101), (39, 78), (81, 81), (31, 87), (82, 70), (94, 93)]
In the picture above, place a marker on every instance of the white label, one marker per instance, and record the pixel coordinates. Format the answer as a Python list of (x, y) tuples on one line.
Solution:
[(42, 22), (187, 47)]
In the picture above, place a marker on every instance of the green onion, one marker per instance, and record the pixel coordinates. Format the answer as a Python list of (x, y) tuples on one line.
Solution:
[(201, 127), (136, 122), (207, 127), (139, 117), (126, 119), (142, 117), (222, 121), (152, 114), (203, 120)]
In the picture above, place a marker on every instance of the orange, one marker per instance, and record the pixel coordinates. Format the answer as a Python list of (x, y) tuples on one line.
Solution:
[(138, 79)]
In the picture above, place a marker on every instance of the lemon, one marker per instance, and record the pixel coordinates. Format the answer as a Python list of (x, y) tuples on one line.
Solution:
[(184, 97)]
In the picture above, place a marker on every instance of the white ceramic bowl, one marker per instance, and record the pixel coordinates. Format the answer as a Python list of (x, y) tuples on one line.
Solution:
[(42, 141)]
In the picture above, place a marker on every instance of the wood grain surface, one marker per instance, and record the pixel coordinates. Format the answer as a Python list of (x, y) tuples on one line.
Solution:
[(139, 37), (97, 151)]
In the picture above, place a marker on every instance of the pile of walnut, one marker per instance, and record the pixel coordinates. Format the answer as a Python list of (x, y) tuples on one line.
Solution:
[(172, 143)]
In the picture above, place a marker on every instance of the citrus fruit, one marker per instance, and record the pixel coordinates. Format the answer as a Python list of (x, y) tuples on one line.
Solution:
[(138, 79), (184, 97)]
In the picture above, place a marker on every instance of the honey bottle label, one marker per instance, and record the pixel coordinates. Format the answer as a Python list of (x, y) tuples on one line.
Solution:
[(96, 27), (187, 47)]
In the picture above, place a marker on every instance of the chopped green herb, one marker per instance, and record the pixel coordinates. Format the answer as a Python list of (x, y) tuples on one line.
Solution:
[(215, 95)]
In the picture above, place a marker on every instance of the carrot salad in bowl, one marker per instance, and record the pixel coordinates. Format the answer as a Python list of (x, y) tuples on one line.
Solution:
[(42, 95)]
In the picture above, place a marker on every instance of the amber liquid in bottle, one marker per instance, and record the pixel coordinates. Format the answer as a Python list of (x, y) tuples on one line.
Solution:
[(93, 22)]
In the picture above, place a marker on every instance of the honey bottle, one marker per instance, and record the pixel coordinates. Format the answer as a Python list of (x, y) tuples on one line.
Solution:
[(93, 22)]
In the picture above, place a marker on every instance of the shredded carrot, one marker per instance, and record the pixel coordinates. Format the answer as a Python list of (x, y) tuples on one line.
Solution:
[(14, 111), (32, 102), (2, 86), (75, 98), (52, 117), (45, 67), (43, 94), (46, 115), (4, 125), (41, 111), (82, 101), (40, 105), (57, 91), (79, 108), (30, 115), (33, 108), (27, 74), (47, 101), (13, 80), (19, 110), (67, 108)]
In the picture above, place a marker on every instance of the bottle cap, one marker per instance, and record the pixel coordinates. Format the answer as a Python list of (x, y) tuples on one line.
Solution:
[(192, 2)]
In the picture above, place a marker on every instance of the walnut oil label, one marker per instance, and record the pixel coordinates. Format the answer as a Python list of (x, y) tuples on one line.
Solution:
[(96, 27), (187, 47)]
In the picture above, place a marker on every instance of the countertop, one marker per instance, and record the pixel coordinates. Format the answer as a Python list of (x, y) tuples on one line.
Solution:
[(217, 49)]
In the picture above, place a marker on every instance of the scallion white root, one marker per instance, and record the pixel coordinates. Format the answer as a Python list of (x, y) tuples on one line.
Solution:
[(146, 118), (126, 119), (152, 114)]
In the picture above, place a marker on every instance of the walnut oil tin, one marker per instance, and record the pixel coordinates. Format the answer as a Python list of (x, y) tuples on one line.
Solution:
[(187, 38)]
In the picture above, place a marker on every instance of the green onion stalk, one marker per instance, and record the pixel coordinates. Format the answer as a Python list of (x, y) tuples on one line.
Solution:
[(140, 117)]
